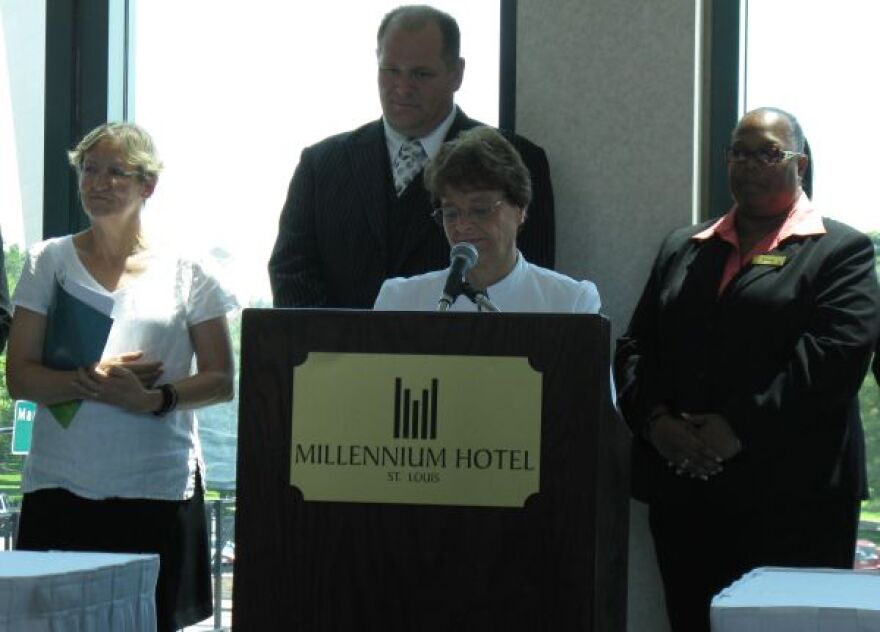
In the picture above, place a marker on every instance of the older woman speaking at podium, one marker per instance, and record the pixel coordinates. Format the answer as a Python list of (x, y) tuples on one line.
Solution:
[(484, 189)]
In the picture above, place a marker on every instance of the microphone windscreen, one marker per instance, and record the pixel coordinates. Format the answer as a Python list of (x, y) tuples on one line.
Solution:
[(466, 251)]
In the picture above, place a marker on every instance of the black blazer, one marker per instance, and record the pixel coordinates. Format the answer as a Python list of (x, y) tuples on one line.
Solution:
[(333, 245), (781, 354)]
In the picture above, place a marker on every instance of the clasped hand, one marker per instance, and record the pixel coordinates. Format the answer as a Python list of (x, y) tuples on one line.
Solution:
[(696, 445), (123, 380)]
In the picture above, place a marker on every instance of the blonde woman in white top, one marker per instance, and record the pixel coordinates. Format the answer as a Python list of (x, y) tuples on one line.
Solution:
[(125, 474)]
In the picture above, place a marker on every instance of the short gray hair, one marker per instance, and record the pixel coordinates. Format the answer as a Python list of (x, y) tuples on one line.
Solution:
[(480, 158), (415, 16)]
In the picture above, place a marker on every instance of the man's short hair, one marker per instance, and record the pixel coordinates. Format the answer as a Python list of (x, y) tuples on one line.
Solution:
[(797, 131), (480, 158), (415, 16)]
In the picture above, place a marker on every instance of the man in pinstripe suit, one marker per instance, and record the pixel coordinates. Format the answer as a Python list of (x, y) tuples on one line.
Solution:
[(356, 210)]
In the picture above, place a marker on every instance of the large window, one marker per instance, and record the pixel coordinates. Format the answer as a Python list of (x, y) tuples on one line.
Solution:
[(22, 68), (232, 100), (818, 60), (232, 93)]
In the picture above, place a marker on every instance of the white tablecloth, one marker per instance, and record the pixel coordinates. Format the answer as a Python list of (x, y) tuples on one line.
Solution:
[(77, 592), (799, 600)]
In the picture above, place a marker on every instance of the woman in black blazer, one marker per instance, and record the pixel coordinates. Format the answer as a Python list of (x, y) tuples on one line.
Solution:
[(739, 375)]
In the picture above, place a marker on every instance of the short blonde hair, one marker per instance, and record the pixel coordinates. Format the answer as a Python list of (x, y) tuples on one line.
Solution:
[(137, 148)]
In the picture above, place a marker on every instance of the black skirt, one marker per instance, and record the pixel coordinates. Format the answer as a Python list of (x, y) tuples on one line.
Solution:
[(176, 530)]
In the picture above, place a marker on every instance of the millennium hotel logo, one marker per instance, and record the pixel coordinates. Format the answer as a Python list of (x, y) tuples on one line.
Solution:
[(415, 418), (416, 429)]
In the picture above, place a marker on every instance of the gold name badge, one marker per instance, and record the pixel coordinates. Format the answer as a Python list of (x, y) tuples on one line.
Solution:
[(769, 260)]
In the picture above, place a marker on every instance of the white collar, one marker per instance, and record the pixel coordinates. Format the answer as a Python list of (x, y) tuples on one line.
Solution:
[(508, 283), (430, 142)]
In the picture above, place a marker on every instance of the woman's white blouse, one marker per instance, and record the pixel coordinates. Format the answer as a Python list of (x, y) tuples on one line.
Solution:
[(528, 288), (107, 451)]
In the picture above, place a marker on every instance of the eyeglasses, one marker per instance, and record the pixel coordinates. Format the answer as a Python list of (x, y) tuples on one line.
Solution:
[(92, 171), (766, 156), (448, 215)]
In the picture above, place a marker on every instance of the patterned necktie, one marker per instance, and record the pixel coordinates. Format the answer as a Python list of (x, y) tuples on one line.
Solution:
[(407, 164)]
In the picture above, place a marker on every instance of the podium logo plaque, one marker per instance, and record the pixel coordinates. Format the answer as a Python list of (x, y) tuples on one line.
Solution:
[(416, 429)]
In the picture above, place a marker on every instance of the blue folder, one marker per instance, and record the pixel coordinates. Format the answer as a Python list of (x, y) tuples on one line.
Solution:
[(76, 334)]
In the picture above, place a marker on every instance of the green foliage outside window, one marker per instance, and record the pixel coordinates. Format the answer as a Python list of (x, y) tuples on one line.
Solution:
[(10, 465), (870, 402), (869, 397)]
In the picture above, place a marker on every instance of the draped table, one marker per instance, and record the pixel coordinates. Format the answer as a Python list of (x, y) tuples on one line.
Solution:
[(77, 592), (799, 599)]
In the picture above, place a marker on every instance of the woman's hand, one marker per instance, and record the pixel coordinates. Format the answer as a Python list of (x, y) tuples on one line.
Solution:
[(679, 442), (118, 386), (146, 372), (716, 433)]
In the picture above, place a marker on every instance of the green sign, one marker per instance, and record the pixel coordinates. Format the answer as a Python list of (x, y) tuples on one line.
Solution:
[(416, 429), (23, 426)]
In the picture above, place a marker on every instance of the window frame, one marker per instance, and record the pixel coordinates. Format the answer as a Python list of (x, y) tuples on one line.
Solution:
[(720, 99), (87, 84)]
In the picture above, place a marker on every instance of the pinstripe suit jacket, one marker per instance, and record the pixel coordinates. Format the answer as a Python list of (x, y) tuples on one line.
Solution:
[(332, 248)]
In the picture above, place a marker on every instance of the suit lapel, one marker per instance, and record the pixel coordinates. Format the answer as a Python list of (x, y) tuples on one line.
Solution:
[(370, 171), (704, 263), (421, 227)]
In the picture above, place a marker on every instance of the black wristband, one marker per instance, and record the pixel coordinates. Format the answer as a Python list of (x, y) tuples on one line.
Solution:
[(169, 400)]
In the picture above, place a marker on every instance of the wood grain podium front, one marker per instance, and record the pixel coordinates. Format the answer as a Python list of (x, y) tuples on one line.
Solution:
[(556, 563)]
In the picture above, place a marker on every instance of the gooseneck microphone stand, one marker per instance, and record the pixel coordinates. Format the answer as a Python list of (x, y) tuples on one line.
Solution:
[(479, 298)]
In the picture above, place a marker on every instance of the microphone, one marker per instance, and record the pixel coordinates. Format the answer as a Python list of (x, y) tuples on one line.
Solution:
[(462, 258)]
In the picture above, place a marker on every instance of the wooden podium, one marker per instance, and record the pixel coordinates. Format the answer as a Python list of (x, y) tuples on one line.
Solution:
[(558, 563)]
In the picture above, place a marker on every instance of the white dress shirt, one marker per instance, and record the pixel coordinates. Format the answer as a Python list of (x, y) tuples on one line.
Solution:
[(431, 142)]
